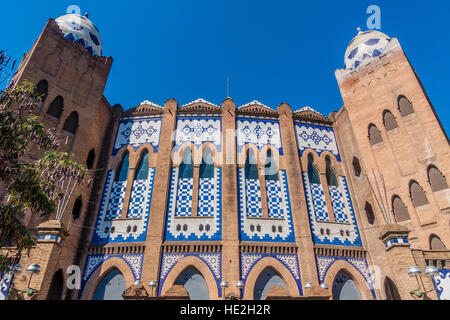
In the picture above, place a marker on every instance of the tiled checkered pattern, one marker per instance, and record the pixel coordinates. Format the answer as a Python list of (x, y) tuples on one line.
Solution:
[(337, 200), (206, 197), (396, 240), (116, 200), (274, 199), (184, 197), (137, 200), (320, 204), (253, 196)]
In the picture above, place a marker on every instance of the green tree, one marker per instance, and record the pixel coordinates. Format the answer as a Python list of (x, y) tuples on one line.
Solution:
[(26, 184)]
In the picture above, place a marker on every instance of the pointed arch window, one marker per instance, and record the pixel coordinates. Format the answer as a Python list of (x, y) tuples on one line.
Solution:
[(389, 121), (122, 172), (187, 166), (313, 171), (56, 107), (436, 179), (357, 166), (404, 106), (207, 166), (400, 210), (418, 196), (436, 243), (90, 159), (143, 167), (251, 169), (374, 135), (270, 169), (42, 90), (78, 205), (71, 124), (370, 214), (331, 175)]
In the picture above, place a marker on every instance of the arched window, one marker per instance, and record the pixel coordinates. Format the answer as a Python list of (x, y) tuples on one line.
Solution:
[(357, 166), (313, 171), (436, 179), (56, 107), (90, 159), (404, 106), (417, 194), (78, 205), (187, 166), (111, 287), (42, 90), (251, 169), (374, 135), (71, 124), (122, 171), (331, 175), (143, 167), (267, 279), (400, 210), (270, 168), (207, 166), (389, 121), (56, 286), (436, 243), (344, 288), (390, 290), (194, 283), (369, 212)]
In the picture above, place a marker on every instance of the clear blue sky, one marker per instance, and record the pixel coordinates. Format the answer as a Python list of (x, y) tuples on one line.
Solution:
[(273, 51)]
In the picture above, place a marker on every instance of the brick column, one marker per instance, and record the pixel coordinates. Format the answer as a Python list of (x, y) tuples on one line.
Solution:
[(395, 239), (155, 234), (230, 220), (308, 270)]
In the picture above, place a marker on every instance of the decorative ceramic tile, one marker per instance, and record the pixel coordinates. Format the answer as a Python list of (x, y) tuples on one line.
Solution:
[(259, 133), (318, 138), (5, 284), (198, 130), (442, 284), (138, 132)]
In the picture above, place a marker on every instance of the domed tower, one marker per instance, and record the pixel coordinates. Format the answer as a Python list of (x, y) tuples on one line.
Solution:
[(393, 142), (67, 66)]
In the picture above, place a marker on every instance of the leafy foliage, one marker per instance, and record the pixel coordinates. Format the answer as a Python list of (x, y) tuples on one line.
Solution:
[(25, 184)]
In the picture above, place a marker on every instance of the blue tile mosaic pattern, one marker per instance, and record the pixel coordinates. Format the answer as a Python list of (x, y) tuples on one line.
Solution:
[(317, 138), (138, 132), (266, 230), (325, 262), (116, 200), (365, 45), (290, 261), (442, 284), (5, 284), (198, 130), (258, 132), (274, 201), (207, 226), (253, 198), (324, 232), (134, 229), (93, 262), (337, 201), (184, 197), (212, 260), (320, 204), (206, 197)]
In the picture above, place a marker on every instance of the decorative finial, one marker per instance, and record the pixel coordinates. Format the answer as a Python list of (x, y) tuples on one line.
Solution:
[(86, 14), (359, 29)]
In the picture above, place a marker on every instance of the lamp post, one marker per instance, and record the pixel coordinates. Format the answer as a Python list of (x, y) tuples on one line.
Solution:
[(152, 284), (415, 271), (223, 285), (33, 269), (240, 284)]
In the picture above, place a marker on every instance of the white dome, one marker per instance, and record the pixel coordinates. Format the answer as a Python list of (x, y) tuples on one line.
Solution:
[(80, 29), (366, 44)]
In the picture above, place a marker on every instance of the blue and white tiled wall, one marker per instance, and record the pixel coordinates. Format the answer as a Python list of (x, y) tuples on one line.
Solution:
[(318, 138), (259, 132), (207, 226)]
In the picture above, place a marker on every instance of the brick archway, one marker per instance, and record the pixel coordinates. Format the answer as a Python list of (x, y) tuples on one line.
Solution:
[(356, 276), (198, 264), (273, 263), (104, 269)]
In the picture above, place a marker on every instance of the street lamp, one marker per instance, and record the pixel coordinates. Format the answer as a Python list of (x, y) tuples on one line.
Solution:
[(152, 284), (414, 271), (240, 285), (33, 269), (324, 286), (308, 285), (223, 285)]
